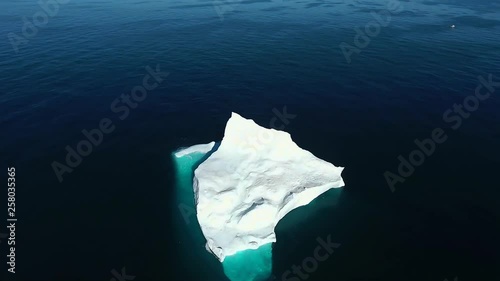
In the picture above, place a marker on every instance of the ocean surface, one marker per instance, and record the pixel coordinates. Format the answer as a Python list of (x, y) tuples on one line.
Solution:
[(355, 100)]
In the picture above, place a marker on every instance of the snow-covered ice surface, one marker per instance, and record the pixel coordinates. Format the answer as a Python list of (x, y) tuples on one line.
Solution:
[(199, 148), (254, 178)]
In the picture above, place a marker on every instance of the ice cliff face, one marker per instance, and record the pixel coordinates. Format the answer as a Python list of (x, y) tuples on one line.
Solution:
[(251, 182)]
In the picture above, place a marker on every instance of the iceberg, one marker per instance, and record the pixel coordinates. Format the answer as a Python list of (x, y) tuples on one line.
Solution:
[(250, 182)]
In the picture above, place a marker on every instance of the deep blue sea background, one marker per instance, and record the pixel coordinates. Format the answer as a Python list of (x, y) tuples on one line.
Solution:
[(118, 207)]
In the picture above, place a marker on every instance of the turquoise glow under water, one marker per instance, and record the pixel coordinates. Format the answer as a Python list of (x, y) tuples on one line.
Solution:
[(248, 265)]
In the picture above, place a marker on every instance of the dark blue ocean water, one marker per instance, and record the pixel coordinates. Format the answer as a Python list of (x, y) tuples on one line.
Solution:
[(117, 208)]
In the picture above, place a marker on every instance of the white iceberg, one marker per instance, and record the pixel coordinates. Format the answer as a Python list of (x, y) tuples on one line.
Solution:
[(254, 178)]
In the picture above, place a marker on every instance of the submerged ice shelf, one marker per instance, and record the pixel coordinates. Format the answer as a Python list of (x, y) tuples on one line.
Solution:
[(250, 182), (199, 148)]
